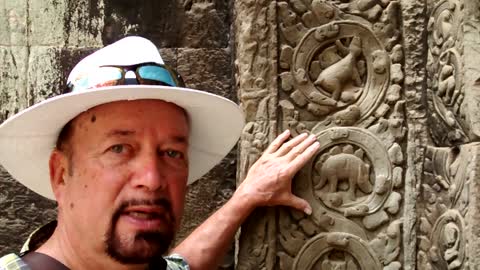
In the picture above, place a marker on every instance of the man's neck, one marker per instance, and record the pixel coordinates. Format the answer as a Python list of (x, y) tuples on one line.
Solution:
[(77, 256)]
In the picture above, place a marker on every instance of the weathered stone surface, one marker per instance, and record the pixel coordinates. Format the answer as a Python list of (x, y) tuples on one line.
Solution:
[(159, 21), (21, 211), (170, 23), (13, 22), (209, 193), (207, 69), (13, 71), (46, 27), (44, 74), (83, 23), (205, 24)]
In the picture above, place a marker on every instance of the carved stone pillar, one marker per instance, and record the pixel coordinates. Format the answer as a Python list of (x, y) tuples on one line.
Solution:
[(391, 90), (334, 69), (448, 231)]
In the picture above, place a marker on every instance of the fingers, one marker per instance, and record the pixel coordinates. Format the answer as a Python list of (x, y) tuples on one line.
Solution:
[(278, 142), (300, 204), (304, 156), (300, 148), (287, 147)]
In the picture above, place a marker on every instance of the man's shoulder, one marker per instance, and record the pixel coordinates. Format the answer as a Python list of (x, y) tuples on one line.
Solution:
[(12, 262)]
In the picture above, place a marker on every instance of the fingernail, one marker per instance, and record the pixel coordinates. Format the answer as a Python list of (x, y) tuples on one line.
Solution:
[(312, 137), (308, 210)]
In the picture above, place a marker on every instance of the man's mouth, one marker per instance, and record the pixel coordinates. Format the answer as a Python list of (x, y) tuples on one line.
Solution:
[(147, 212), (143, 215), (147, 217)]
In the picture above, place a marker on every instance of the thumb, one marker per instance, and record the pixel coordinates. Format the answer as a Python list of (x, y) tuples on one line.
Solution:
[(300, 204)]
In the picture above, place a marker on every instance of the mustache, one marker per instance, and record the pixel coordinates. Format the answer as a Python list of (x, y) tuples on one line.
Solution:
[(160, 202)]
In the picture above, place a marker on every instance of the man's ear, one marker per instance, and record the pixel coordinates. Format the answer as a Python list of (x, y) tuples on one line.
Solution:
[(58, 167)]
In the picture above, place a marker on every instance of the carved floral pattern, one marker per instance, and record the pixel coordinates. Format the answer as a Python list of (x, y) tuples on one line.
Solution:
[(445, 191), (446, 89)]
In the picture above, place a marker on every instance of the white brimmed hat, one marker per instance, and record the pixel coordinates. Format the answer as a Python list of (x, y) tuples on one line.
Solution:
[(28, 138)]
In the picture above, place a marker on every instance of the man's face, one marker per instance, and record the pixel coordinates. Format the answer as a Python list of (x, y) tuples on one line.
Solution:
[(125, 178)]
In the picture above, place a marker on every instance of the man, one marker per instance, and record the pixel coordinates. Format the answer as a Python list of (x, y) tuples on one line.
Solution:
[(120, 150)]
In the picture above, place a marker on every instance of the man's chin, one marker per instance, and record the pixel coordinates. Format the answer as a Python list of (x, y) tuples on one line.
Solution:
[(141, 231), (143, 248)]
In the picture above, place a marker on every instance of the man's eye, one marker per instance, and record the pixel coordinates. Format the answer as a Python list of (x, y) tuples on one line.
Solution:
[(173, 154), (118, 148)]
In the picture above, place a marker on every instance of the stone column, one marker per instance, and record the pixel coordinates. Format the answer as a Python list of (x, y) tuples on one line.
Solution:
[(390, 89), (448, 213), (334, 69)]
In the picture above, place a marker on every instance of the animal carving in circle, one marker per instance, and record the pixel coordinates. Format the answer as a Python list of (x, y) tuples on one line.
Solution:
[(344, 167), (335, 78)]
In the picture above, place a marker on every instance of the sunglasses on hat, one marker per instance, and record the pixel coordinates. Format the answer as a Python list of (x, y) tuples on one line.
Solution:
[(145, 73)]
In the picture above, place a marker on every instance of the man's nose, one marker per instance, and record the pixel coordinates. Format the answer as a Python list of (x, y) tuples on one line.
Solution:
[(148, 173)]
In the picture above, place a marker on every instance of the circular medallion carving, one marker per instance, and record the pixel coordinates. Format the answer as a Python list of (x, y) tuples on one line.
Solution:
[(350, 174), (341, 66), (336, 251)]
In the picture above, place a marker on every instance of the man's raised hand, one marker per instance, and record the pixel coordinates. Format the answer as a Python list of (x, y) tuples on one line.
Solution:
[(269, 180)]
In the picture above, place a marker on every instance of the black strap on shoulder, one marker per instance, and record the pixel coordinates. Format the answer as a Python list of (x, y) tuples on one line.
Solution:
[(40, 261)]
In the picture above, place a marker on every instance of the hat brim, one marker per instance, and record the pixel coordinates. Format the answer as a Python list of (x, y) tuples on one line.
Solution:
[(28, 138)]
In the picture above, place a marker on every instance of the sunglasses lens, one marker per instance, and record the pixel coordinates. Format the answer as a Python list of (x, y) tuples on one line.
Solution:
[(105, 76), (157, 74)]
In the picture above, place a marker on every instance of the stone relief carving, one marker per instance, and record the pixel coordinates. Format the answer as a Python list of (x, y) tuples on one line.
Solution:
[(354, 204), (341, 176), (258, 249), (336, 251), (254, 140), (446, 88), (445, 191), (447, 171), (255, 67), (339, 74), (256, 64), (338, 69), (343, 166)]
